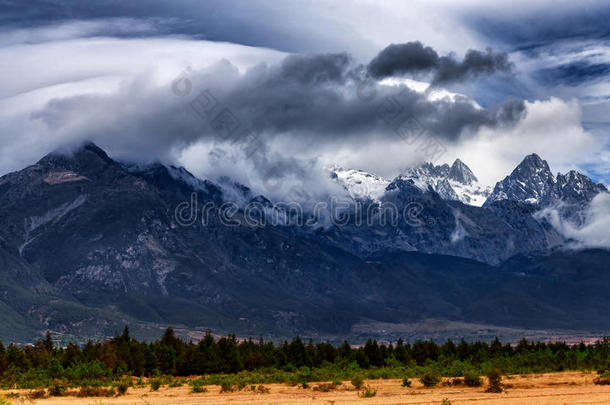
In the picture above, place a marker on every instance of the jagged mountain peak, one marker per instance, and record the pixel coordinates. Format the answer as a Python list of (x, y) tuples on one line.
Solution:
[(533, 164), (533, 182), (455, 182), (461, 173)]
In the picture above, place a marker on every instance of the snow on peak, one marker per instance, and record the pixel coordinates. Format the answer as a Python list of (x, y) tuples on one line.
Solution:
[(456, 182), (360, 184), (451, 183)]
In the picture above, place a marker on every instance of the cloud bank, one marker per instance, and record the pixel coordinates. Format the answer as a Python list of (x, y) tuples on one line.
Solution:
[(594, 231), (415, 58)]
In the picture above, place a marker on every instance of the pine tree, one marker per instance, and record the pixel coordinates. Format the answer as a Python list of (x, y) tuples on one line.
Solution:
[(3, 362), (48, 343)]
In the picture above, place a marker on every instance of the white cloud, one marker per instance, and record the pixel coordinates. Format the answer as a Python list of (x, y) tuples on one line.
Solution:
[(552, 128), (135, 75), (33, 76), (593, 233)]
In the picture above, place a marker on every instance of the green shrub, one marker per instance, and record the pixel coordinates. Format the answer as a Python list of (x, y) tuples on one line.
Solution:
[(4, 401), (227, 387), (430, 378), (198, 387), (155, 384), (357, 381), (123, 386), (58, 389), (495, 381), (368, 392), (472, 379), (406, 382), (175, 383)]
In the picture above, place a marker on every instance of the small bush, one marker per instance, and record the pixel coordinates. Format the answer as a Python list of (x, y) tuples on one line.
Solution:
[(430, 378), (123, 386), (406, 382), (357, 381), (325, 387), (601, 381), (87, 391), (472, 379), (175, 383), (368, 392), (37, 394), (155, 384), (198, 387), (305, 386), (604, 374), (446, 401), (58, 389), (227, 387), (4, 401), (456, 382), (495, 381), (261, 389)]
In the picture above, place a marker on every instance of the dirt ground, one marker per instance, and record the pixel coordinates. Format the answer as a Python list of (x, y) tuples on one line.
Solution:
[(534, 389)]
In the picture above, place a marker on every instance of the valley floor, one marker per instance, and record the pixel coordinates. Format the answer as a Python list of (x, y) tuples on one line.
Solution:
[(532, 389)]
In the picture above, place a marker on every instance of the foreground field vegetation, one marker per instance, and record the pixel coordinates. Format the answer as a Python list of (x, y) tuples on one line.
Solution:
[(113, 367)]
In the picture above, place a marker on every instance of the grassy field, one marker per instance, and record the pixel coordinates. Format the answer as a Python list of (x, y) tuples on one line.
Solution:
[(533, 389)]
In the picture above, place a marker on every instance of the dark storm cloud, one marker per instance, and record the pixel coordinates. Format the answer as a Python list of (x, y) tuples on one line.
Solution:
[(316, 98), (414, 58), (411, 57), (315, 69), (475, 63)]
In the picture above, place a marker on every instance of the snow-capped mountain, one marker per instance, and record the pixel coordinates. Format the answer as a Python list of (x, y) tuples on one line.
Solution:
[(87, 242), (360, 184), (533, 182), (456, 182)]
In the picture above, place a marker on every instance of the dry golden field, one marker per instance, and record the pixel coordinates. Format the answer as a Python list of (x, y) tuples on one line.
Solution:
[(535, 389)]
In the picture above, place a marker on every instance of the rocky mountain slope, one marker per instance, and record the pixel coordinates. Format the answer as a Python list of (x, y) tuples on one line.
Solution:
[(88, 244)]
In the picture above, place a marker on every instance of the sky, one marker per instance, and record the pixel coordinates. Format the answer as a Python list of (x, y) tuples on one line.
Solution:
[(306, 85)]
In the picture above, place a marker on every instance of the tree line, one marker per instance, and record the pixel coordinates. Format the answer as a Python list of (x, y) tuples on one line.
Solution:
[(97, 362)]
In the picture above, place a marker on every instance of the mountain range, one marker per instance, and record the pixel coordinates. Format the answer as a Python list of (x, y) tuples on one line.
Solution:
[(88, 244)]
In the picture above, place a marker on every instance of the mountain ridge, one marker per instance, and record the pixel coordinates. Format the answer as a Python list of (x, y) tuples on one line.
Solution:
[(119, 254)]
